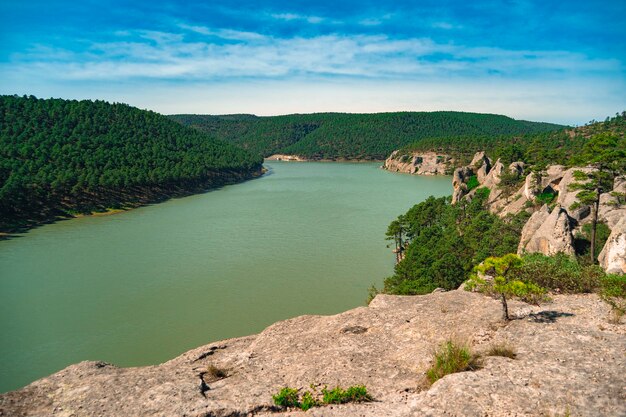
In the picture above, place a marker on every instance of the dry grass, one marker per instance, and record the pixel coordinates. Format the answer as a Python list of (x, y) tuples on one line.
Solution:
[(214, 373), (503, 349), (452, 357)]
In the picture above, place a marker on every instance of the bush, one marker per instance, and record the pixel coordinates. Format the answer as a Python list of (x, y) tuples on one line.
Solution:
[(286, 397), (613, 292), (354, 394), (472, 183), (545, 198), (450, 358), (308, 401), (560, 273)]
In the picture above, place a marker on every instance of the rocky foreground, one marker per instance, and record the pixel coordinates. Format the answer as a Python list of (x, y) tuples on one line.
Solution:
[(570, 361)]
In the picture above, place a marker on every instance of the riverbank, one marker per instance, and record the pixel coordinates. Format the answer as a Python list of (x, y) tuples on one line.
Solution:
[(109, 202), (568, 361), (296, 158)]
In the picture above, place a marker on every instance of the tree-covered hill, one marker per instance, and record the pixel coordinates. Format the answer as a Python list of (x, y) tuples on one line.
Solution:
[(353, 136), (550, 147), (62, 157)]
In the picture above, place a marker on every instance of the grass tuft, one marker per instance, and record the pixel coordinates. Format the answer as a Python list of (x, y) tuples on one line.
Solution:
[(502, 349), (452, 357)]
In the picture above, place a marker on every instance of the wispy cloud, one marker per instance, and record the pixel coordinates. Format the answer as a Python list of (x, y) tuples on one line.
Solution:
[(216, 53), (296, 16)]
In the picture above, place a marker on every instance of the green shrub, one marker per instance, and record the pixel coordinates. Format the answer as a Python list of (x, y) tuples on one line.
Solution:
[(286, 397), (354, 394), (289, 397), (450, 358), (558, 273), (472, 183), (308, 401), (613, 292), (545, 198)]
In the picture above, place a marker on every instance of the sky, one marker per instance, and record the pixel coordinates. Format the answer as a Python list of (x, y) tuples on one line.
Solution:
[(557, 61)]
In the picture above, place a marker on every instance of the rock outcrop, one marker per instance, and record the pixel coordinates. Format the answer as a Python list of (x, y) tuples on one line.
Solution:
[(419, 163), (568, 198), (459, 186), (613, 256), (281, 157), (548, 233), (569, 360)]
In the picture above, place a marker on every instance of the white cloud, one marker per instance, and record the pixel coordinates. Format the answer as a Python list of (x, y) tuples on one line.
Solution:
[(227, 54), (294, 16)]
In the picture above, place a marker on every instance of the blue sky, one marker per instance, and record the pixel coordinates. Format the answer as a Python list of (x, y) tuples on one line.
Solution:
[(539, 60)]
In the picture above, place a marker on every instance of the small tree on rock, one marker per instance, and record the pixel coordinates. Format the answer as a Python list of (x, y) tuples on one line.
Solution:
[(606, 154), (496, 277)]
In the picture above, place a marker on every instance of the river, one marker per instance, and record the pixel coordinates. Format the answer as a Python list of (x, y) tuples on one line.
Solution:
[(143, 286)]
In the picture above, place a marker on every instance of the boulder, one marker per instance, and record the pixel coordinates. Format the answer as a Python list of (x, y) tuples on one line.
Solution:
[(548, 233), (532, 188), (480, 164), (567, 198), (517, 168), (613, 256), (459, 178), (610, 210)]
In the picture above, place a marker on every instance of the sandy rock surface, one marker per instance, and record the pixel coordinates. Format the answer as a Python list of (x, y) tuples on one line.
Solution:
[(570, 359), (419, 163)]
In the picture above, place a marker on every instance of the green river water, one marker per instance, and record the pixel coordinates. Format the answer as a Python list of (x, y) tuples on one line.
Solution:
[(143, 286)]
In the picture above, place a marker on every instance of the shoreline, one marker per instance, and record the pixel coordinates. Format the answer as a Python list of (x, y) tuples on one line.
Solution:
[(17, 231), (295, 158)]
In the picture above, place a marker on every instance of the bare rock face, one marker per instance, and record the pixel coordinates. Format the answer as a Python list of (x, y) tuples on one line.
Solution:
[(532, 188), (569, 359), (548, 233), (517, 168), (459, 178), (613, 256), (423, 163), (493, 178), (610, 210), (481, 164), (282, 157), (567, 198)]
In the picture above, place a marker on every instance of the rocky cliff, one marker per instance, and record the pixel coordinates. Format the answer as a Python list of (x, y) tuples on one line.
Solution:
[(420, 163), (570, 361), (556, 216)]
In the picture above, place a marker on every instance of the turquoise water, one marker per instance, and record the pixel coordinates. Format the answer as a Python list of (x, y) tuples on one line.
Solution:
[(143, 286)]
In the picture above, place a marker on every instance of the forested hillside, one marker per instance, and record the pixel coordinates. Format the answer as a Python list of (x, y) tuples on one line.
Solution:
[(353, 136), (550, 147), (62, 157)]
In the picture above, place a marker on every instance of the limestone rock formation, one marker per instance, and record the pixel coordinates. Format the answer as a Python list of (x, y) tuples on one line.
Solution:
[(569, 359), (548, 233), (567, 198), (282, 157), (422, 163), (613, 256), (481, 164), (459, 178), (612, 208)]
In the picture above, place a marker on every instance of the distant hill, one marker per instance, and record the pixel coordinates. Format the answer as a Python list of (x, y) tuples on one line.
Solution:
[(548, 147), (353, 136), (63, 157)]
